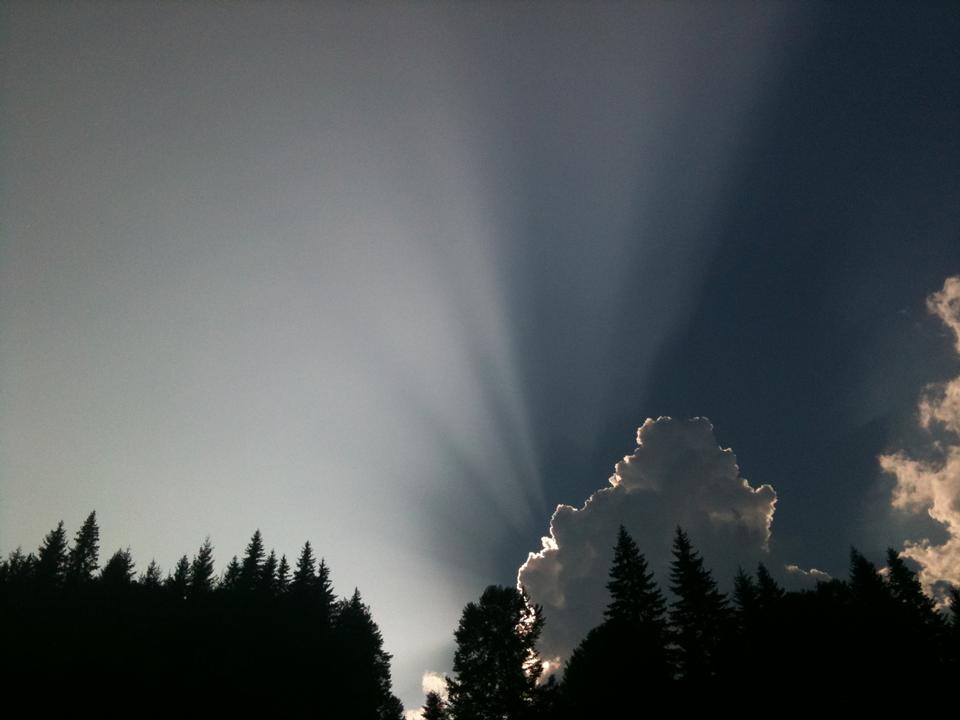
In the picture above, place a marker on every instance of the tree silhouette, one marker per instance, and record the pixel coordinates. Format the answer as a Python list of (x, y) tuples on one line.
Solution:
[(906, 589), (179, 582), (495, 664), (283, 575), (17, 571), (435, 708), (231, 574), (746, 595), (119, 571), (769, 593), (201, 571), (363, 666), (268, 574), (83, 558), (634, 595), (52, 559), (305, 576), (698, 615), (152, 578), (634, 634), (251, 566)]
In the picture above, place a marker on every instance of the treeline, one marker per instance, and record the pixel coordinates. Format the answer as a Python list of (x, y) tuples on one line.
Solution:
[(874, 640), (264, 635)]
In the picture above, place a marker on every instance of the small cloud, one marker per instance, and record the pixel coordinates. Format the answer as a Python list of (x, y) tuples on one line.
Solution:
[(677, 475), (812, 574)]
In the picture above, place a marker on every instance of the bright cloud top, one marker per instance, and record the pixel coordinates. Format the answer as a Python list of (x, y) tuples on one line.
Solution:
[(933, 485), (677, 475)]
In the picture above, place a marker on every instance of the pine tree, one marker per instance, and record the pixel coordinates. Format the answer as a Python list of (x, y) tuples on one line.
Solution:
[(906, 589), (699, 614), (231, 575), (251, 567), (152, 577), (324, 597), (435, 708), (268, 574), (305, 576), (82, 560), (52, 559), (19, 569), (362, 665), (495, 665), (201, 571), (746, 594), (118, 573), (634, 634), (179, 583), (866, 584), (634, 595), (769, 593), (283, 575)]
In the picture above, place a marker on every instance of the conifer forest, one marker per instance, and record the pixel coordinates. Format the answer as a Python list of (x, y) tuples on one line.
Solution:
[(268, 635)]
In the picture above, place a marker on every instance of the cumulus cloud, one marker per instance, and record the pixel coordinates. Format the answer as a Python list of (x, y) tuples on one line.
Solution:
[(429, 682), (932, 485), (677, 475)]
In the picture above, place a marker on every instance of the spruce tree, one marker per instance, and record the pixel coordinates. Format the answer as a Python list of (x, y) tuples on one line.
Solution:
[(231, 574), (699, 614), (283, 575), (118, 573), (634, 595), (251, 567), (268, 574), (362, 666), (52, 559), (323, 594), (152, 578), (19, 569), (746, 595), (179, 582), (82, 560), (634, 634), (906, 589), (305, 576), (201, 571), (866, 584), (769, 593)]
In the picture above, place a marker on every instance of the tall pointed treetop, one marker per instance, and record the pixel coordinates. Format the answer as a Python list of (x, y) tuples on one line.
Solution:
[(634, 595), (83, 559)]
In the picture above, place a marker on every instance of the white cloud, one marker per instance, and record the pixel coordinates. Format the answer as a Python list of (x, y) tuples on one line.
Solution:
[(678, 475), (809, 575), (434, 682), (933, 486), (946, 305), (429, 682)]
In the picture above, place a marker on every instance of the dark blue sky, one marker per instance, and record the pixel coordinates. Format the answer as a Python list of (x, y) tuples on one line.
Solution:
[(806, 339)]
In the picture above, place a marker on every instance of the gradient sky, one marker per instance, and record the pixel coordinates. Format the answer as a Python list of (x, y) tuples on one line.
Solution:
[(398, 278)]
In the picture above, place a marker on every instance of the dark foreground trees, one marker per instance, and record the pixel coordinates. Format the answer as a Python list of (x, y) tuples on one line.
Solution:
[(246, 643), (265, 638), (634, 635), (496, 666)]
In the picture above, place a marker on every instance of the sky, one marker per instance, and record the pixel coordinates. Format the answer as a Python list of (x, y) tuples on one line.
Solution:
[(401, 278)]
